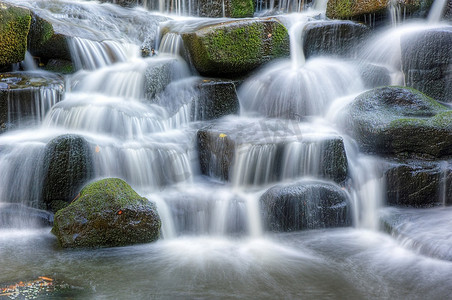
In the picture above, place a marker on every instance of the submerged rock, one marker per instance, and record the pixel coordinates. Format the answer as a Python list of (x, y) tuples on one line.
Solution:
[(25, 98), (16, 215), (400, 121), (236, 47), (108, 213), (226, 8), (305, 205), (337, 38), (426, 62), (258, 152), (14, 27), (68, 166), (418, 183)]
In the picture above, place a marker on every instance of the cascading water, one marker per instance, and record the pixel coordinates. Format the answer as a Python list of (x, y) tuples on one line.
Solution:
[(141, 122)]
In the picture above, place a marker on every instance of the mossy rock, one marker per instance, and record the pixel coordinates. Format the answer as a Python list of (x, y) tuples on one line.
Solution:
[(226, 8), (14, 27), (107, 213), (68, 165), (305, 205), (236, 47), (400, 121)]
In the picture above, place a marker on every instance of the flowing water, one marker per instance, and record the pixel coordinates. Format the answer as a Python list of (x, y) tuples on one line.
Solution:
[(137, 116)]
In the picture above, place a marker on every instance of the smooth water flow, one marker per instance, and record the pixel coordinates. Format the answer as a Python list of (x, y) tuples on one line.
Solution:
[(141, 121)]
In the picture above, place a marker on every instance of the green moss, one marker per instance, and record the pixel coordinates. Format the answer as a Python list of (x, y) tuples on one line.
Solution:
[(14, 27), (242, 8)]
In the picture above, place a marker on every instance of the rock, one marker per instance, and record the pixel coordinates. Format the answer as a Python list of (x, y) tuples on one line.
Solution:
[(305, 205), (418, 183), (26, 97), (372, 12), (16, 215), (108, 213), (226, 8), (426, 61), (68, 165), (60, 66), (259, 152), (14, 27), (400, 121), (333, 38), (374, 75), (236, 47), (217, 98), (425, 231)]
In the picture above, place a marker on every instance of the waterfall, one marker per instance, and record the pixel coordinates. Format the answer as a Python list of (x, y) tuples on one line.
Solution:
[(436, 11)]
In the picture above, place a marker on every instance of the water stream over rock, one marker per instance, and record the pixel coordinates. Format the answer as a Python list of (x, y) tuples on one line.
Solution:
[(249, 173)]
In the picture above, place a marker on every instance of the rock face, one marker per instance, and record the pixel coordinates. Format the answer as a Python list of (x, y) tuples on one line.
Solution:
[(67, 167), (14, 27), (236, 47), (400, 121), (108, 213), (417, 183), (305, 205), (426, 61), (249, 153), (217, 98), (226, 8), (337, 38), (26, 97)]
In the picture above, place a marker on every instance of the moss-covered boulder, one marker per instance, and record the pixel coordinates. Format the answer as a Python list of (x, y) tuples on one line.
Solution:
[(305, 205), (25, 98), (107, 213), (14, 27), (400, 121), (337, 38), (236, 47), (217, 98), (372, 12), (418, 183), (68, 165), (427, 60), (226, 8), (258, 152)]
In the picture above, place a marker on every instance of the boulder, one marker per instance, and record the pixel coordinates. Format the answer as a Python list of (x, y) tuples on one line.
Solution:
[(26, 97), (305, 205), (426, 62), (14, 27), (107, 213), (217, 98), (236, 47), (400, 121), (333, 38), (374, 75), (68, 165), (226, 8), (418, 183), (372, 12), (259, 152)]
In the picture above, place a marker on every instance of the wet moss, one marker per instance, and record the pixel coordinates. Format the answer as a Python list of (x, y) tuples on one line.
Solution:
[(14, 27), (241, 8)]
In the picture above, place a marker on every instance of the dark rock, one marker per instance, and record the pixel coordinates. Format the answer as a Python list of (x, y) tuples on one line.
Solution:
[(25, 98), (108, 213), (418, 183), (14, 27), (400, 121), (258, 152), (15, 215), (217, 98), (226, 8), (68, 166), (374, 75), (337, 38), (426, 61), (60, 66), (236, 47), (305, 205)]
